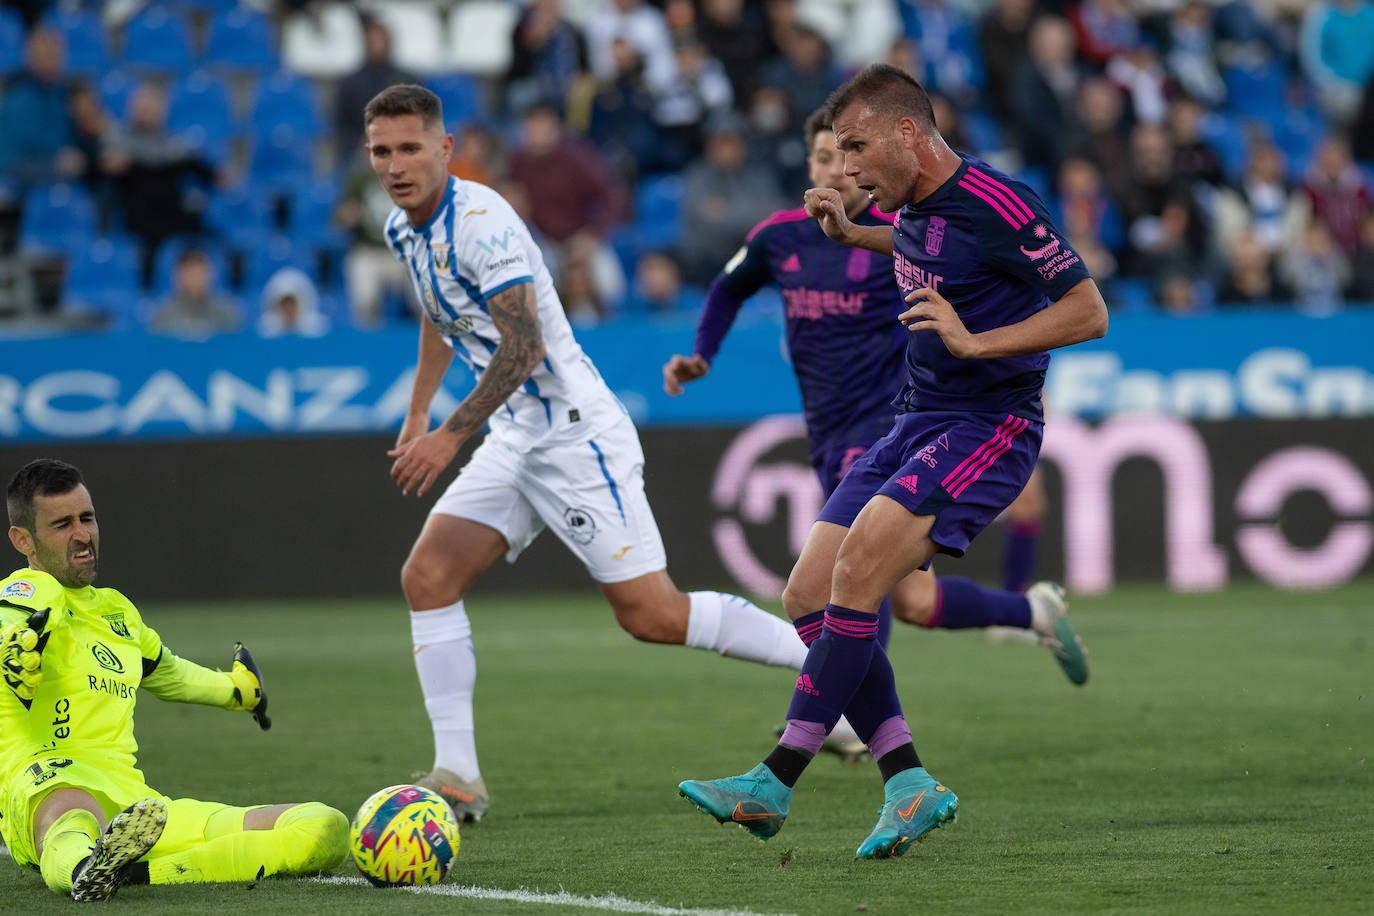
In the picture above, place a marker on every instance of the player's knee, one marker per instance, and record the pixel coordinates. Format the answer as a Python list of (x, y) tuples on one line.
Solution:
[(318, 838), (913, 610), (427, 585), (663, 620)]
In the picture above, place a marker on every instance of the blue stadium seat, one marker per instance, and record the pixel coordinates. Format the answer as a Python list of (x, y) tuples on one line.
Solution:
[(103, 281), (88, 42), (658, 212), (461, 96), (11, 41), (199, 108), (285, 99), (264, 261), (59, 219), (242, 41), (311, 221), (158, 40), (114, 88), (1227, 135), (281, 159), (1255, 90), (982, 130), (240, 216)]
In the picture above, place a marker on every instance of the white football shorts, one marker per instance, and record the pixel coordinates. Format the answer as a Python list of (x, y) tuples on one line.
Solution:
[(589, 493)]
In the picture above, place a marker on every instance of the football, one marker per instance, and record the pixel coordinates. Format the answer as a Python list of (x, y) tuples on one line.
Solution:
[(403, 836)]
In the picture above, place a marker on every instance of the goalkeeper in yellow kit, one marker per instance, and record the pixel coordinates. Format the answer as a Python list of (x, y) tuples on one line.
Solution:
[(73, 803)]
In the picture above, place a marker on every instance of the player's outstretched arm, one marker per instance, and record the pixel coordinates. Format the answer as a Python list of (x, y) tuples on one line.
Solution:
[(180, 681), (21, 654), (682, 369), (827, 207)]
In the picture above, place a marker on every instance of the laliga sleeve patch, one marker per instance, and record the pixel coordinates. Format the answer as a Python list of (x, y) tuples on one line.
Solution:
[(20, 588)]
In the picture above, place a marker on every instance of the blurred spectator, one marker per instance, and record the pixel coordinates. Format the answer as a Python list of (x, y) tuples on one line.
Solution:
[(723, 196), (162, 183), (1316, 270), (805, 71), (951, 125), (1263, 204), (857, 33), (477, 155), (91, 130), (1043, 92), (1190, 52), (1337, 191), (1250, 275), (1244, 35), (1140, 75), (353, 92), (378, 285), (575, 201), (734, 32), (1178, 293), (1194, 158), (548, 56), (644, 27), (621, 122), (772, 142), (698, 92), (1004, 40), (1362, 268), (194, 307), (291, 306), (658, 287), (35, 110), (1104, 29), (948, 46), (1084, 209), (1337, 54), (1164, 226), (1102, 136), (582, 301)]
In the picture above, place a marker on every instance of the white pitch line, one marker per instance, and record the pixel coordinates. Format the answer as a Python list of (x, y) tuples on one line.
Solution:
[(610, 902)]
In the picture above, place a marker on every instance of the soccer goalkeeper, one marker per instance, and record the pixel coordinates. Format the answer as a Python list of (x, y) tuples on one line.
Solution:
[(73, 803)]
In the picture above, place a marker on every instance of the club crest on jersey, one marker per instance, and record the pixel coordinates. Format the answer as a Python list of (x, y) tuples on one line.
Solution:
[(581, 525), (935, 235), (116, 622), (20, 588), (443, 255)]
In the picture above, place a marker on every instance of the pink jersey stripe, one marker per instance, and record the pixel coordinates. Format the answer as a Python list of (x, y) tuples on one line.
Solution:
[(782, 216), (1007, 194), (993, 449), (1016, 222)]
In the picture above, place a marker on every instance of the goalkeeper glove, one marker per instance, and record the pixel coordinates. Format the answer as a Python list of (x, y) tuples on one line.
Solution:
[(21, 652), (249, 692)]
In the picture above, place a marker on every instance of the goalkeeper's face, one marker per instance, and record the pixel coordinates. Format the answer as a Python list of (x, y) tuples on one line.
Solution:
[(65, 540)]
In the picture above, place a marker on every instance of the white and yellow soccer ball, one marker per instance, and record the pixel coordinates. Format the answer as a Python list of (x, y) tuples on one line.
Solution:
[(404, 836)]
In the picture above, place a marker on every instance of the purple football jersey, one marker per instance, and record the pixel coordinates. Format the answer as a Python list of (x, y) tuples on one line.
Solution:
[(845, 341), (985, 242)]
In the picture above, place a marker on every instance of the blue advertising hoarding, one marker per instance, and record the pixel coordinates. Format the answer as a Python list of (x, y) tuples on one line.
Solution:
[(135, 386)]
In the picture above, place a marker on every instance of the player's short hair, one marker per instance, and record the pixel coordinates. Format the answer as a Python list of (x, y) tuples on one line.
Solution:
[(888, 90), (40, 477), (405, 99), (819, 120)]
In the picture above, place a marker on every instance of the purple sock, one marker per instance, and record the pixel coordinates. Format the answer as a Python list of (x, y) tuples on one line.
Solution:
[(835, 666), (885, 622), (809, 627), (1020, 549), (961, 604), (876, 701)]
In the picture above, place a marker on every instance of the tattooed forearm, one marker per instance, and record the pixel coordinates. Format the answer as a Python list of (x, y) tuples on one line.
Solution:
[(522, 347)]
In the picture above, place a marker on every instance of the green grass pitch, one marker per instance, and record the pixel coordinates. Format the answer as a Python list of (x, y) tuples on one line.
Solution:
[(1219, 761)]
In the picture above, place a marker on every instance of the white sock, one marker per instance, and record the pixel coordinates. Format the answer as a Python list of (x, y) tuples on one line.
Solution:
[(733, 626), (447, 666)]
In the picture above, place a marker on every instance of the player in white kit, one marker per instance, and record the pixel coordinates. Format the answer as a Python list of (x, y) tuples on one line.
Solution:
[(560, 452)]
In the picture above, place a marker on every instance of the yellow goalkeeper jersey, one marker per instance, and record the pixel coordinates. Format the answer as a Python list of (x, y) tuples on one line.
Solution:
[(98, 653)]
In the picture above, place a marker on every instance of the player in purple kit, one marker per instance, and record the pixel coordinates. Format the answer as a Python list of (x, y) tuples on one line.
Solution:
[(840, 301), (992, 286)]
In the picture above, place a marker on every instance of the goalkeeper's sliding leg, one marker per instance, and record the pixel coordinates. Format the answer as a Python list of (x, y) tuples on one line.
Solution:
[(160, 841)]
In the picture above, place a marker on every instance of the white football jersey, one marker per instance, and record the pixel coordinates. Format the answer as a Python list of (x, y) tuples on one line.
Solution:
[(473, 247)]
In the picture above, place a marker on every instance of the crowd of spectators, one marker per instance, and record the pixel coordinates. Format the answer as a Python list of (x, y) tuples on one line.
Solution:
[(196, 166)]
